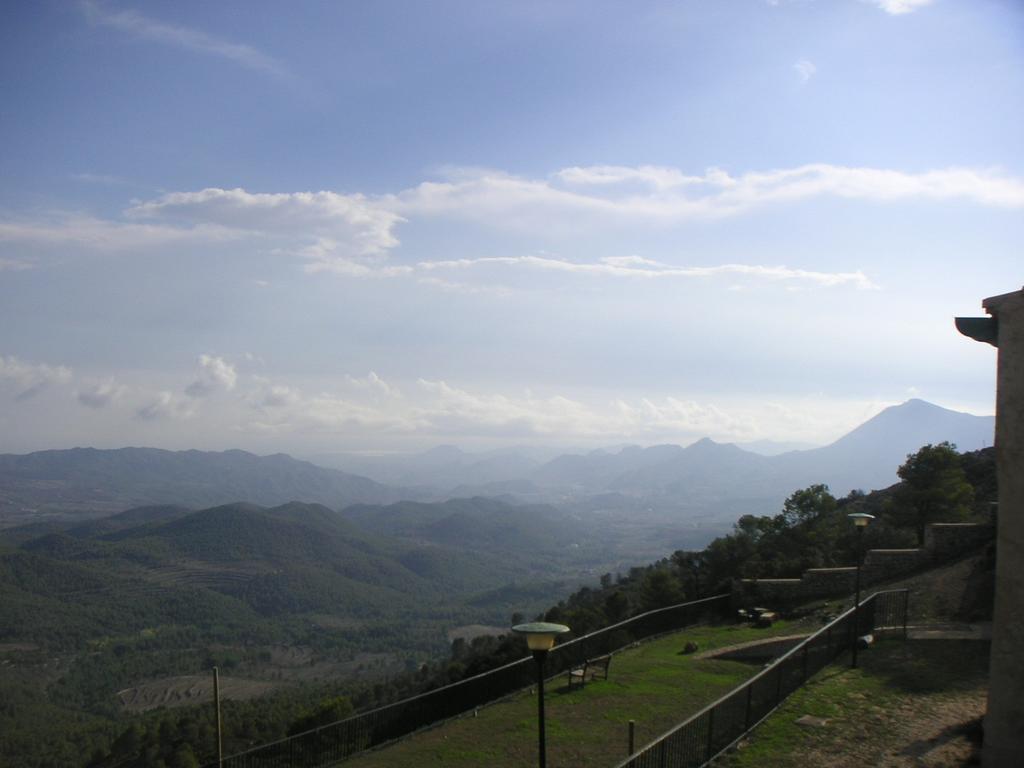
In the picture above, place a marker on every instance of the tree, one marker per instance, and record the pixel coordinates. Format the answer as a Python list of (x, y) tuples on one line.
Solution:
[(660, 588), (329, 711), (692, 567), (184, 758), (934, 489), (808, 505), (616, 607)]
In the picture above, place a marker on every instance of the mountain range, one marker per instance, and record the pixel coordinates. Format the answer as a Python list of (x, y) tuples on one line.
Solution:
[(865, 458), (709, 479), (702, 480), (88, 479)]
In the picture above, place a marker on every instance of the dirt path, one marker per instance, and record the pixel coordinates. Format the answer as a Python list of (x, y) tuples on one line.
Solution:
[(945, 734), (778, 639), (914, 703), (918, 734)]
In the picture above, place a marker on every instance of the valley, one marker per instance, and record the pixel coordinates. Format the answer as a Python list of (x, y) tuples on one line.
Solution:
[(109, 614)]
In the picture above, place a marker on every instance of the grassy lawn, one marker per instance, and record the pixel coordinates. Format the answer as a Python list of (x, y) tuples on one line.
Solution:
[(653, 684), (908, 704)]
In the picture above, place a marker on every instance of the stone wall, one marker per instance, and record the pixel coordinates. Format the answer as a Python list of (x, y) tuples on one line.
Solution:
[(946, 540), (1004, 737), (884, 564), (942, 541), (829, 581), (757, 652)]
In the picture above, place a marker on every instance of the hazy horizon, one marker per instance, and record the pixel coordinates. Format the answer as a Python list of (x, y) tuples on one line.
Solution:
[(390, 226)]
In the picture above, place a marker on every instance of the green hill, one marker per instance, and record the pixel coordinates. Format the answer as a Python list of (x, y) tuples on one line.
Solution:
[(113, 480)]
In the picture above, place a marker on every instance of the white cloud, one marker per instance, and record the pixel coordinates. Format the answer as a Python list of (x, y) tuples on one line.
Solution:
[(14, 265), (353, 234), (374, 384), (369, 403), (160, 407), (899, 7), (658, 177), (433, 409), (278, 396), (640, 268), (673, 416), (75, 229), (631, 261), (215, 374), (331, 230), (805, 70), (143, 27), (328, 412), (31, 378), (101, 394), (359, 410), (593, 194), (450, 410)]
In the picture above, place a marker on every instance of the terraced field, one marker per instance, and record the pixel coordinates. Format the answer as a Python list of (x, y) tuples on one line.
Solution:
[(188, 689)]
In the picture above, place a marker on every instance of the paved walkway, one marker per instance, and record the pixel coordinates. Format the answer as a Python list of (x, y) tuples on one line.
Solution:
[(980, 631), (780, 639)]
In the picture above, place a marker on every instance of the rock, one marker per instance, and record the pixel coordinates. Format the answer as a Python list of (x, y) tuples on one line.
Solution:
[(810, 721), (691, 647)]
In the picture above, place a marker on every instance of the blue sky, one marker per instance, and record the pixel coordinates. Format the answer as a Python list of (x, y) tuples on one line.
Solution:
[(387, 225)]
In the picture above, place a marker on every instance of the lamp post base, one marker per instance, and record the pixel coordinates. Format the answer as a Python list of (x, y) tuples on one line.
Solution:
[(542, 758)]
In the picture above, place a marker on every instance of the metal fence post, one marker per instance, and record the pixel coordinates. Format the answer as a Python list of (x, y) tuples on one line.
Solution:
[(746, 715), (851, 639), (906, 610)]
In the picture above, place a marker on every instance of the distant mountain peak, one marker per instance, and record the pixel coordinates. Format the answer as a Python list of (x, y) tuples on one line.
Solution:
[(705, 444), (918, 413), (445, 451), (916, 404)]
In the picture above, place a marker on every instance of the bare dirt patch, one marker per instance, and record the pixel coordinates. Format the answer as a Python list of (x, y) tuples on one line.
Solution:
[(18, 647), (939, 735), (468, 631), (188, 689), (290, 655)]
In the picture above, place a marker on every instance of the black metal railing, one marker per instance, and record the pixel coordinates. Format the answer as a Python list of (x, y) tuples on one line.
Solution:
[(337, 741), (719, 725)]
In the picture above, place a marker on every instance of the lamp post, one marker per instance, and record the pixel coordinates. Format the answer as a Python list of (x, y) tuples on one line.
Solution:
[(860, 520), (540, 638)]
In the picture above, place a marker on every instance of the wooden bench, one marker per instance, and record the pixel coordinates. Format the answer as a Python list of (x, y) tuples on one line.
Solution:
[(759, 617), (590, 670)]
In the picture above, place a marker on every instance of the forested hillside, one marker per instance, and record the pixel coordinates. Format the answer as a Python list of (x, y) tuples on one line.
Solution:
[(318, 604)]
